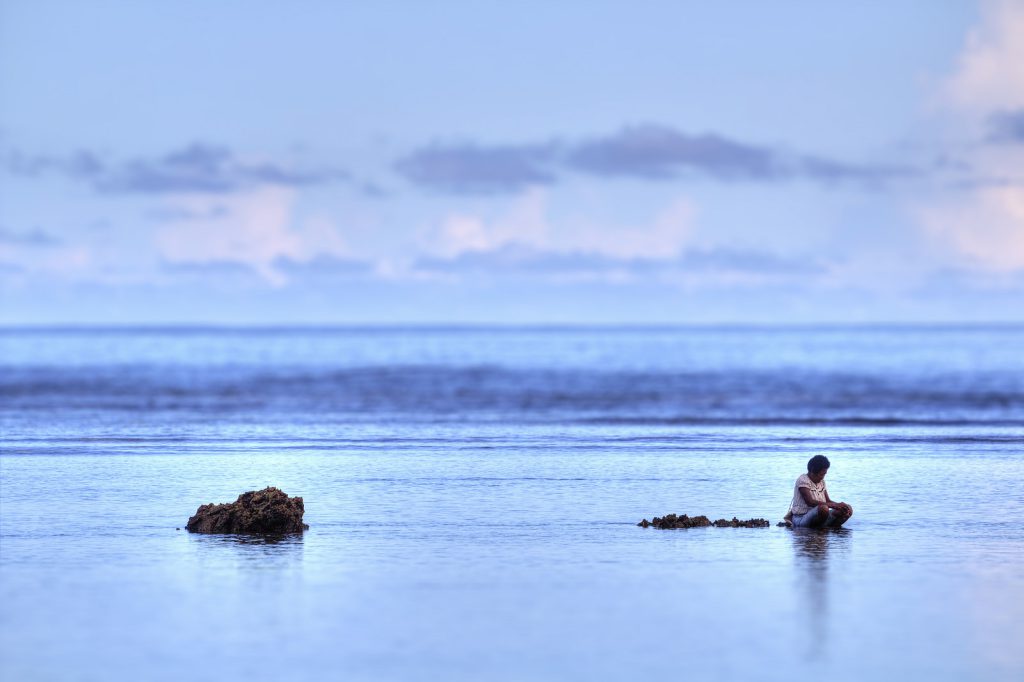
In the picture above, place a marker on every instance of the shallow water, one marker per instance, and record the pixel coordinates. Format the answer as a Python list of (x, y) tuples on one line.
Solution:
[(473, 494)]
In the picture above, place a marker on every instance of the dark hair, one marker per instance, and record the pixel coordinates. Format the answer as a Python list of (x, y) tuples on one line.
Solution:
[(817, 463)]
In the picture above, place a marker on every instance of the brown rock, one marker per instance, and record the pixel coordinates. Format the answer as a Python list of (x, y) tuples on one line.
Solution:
[(671, 521), (268, 511), (736, 523)]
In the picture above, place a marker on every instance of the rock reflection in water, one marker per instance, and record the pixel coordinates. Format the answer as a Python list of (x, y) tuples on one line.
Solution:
[(254, 551)]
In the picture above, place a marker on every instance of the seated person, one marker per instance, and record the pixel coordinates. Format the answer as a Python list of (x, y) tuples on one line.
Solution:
[(811, 506)]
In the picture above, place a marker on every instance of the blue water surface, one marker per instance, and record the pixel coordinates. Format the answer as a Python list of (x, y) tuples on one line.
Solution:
[(472, 496)]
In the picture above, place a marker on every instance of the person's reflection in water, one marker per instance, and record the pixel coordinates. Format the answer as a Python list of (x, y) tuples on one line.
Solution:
[(813, 547)]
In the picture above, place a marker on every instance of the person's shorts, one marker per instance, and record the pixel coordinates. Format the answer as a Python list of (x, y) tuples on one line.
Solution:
[(804, 520)]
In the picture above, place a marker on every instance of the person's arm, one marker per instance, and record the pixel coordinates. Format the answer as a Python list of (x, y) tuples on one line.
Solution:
[(811, 502), (808, 496), (831, 504)]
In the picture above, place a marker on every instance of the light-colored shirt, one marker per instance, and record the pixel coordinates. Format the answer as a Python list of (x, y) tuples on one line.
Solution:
[(798, 506)]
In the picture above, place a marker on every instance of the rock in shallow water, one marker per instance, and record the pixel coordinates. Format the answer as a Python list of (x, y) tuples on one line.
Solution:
[(736, 523), (671, 521), (268, 511)]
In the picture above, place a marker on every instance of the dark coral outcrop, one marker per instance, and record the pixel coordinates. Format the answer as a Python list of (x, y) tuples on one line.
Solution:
[(268, 511), (671, 521), (736, 523)]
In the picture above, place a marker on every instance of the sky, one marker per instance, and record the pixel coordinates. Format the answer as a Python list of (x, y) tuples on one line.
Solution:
[(515, 163)]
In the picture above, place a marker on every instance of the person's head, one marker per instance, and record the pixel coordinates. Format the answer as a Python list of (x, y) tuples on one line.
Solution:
[(817, 467)]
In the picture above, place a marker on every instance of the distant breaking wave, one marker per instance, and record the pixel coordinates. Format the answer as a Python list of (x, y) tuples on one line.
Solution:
[(488, 393)]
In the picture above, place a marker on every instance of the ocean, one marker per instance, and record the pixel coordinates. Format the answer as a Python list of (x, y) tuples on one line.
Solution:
[(473, 494)]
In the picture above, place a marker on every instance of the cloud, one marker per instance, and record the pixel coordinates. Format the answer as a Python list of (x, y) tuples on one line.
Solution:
[(57, 262), (80, 164), (830, 171), (701, 265), (524, 259), (526, 222), (285, 270), (208, 169), (197, 168), (164, 214), (724, 259), (664, 234), (658, 152), (472, 169), (324, 266), (33, 237), (985, 227), (256, 229), (212, 268), (989, 75), (1006, 126), (648, 151), (524, 241), (982, 224), (36, 252), (957, 281)]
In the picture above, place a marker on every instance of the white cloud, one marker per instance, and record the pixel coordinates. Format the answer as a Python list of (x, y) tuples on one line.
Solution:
[(990, 69), (255, 228), (983, 227), (75, 262), (663, 237), (986, 228), (527, 223)]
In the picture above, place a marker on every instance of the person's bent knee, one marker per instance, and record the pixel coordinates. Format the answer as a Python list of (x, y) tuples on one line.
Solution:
[(822, 510)]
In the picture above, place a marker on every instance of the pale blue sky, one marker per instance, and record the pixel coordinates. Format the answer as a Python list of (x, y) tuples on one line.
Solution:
[(262, 162)]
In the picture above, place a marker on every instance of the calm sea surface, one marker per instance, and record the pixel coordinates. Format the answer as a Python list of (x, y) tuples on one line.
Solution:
[(473, 494)]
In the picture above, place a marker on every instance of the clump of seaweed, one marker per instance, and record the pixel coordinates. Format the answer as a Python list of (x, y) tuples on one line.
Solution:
[(672, 521), (736, 523)]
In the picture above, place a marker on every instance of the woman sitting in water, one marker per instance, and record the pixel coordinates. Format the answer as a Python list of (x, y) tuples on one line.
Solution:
[(811, 506)]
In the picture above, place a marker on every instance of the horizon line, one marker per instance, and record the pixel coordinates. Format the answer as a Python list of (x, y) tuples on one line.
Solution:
[(455, 326)]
